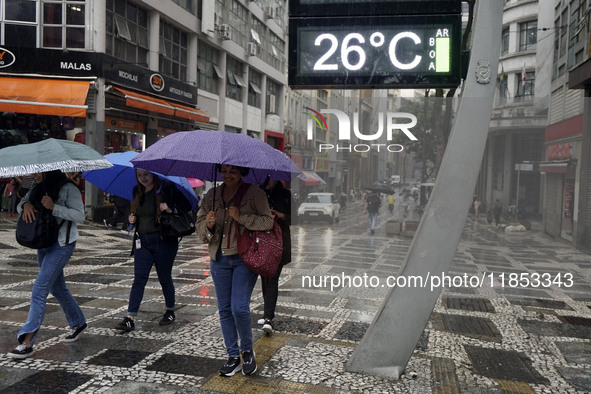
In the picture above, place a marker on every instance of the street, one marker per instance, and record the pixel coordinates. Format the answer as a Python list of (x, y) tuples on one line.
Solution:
[(514, 316)]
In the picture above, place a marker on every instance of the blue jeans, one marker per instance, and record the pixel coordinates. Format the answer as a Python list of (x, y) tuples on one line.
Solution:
[(233, 287), (50, 279), (373, 217), (160, 253)]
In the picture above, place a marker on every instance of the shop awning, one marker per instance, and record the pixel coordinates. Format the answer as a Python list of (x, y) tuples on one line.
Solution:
[(183, 111), (310, 178), (161, 106), (141, 101), (43, 96), (555, 167)]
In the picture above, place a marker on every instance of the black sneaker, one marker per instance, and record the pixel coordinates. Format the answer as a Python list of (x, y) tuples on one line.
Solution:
[(268, 326), (231, 367), (21, 352), (167, 318), (249, 364), (126, 325), (75, 333)]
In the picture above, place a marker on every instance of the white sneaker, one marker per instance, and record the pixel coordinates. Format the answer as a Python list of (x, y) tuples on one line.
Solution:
[(261, 321)]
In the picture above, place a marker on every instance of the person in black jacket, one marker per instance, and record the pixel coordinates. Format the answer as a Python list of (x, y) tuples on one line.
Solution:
[(151, 197), (280, 202)]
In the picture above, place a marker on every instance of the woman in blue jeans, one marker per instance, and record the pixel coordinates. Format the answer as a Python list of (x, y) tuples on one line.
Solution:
[(232, 280), (151, 197), (52, 191)]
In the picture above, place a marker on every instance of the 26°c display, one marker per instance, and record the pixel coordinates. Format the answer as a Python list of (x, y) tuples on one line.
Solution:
[(384, 52)]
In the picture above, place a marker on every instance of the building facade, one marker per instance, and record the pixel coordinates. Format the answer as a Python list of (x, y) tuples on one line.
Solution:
[(120, 74)]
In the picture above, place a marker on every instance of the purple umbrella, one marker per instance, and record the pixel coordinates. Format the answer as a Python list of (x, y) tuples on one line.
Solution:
[(195, 154)]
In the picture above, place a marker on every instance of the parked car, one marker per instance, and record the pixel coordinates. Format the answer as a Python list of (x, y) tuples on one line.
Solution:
[(319, 206)]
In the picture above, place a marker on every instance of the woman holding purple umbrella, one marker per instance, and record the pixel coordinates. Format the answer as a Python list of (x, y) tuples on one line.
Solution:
[(233, 281)]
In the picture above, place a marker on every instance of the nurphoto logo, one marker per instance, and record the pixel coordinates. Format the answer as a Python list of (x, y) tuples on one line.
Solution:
[(391, 122)]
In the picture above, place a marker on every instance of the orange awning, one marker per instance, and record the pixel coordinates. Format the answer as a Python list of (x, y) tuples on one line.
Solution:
[(153, 104), (43, 96), (183, 111), (141, 101)]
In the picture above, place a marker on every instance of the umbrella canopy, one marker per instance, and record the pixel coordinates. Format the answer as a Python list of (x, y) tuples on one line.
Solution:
[(195, 182), (380, 188), (120, 179), (310, 178), (196, 153), (49, 155)]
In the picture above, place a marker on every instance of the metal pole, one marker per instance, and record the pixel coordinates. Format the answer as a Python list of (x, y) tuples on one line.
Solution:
[(391, 338)]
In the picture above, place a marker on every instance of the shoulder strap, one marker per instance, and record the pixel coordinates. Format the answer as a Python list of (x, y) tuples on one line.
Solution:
[(240, 193)]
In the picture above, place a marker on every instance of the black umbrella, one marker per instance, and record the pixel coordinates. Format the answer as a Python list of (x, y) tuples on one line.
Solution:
[(380, 188)]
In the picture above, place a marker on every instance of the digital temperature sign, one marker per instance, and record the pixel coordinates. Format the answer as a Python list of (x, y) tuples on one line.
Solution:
[(375, 52)]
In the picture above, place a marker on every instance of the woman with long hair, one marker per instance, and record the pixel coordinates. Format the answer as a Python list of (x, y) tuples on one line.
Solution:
[(152, 196), (54, 192), (232, 280)]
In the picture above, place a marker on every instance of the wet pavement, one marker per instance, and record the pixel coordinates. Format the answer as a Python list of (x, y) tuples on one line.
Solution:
[(503, 336)]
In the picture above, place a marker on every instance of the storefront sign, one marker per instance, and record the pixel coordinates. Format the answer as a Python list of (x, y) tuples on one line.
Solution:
[(94, 65), (559, 151), (6, 58)]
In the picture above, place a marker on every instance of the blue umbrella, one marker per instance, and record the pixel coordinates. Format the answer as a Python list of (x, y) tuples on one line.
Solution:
[(120, 179)]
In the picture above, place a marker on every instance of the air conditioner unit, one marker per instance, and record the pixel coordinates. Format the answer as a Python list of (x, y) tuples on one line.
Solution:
[(252, 49), (269, 12), (225, 32)]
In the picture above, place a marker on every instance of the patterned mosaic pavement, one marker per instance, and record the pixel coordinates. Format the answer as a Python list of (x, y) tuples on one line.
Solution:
[(489, 339)]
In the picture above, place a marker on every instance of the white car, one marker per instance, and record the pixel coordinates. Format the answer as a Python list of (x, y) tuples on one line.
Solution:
[(319, 206)]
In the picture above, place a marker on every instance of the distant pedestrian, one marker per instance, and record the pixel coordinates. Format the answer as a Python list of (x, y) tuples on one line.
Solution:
[(372, 206), (280, 202), (497, 211), (10, 194), (120, 213), (52, 191), (477, 205)]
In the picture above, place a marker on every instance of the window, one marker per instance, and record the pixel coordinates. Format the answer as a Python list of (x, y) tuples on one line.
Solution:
[(207, 67), (505, 42), (275, 52), (254, 88), (528, 35), (188, 5), (235, 82), (127, 31), (273, 91), (63, 24), (19, 20), (237, 19), (503, 91), (173, 51), (257, 30), (525, 89)]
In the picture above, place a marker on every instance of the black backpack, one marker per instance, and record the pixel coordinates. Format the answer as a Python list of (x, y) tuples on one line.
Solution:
[(41, 232), (373, 203)]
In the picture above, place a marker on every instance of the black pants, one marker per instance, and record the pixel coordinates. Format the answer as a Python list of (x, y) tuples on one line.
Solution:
[(271, 285), (121, 214)]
